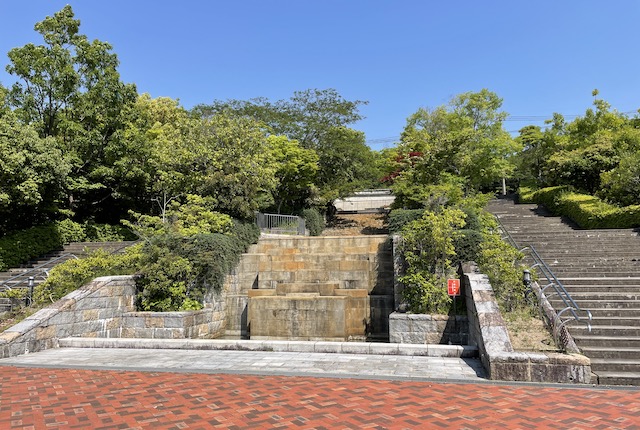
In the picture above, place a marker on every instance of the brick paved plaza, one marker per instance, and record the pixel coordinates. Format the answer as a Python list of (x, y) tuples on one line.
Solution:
[(39, 398)]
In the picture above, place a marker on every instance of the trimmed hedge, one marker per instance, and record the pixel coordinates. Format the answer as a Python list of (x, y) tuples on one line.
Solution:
[(314, 221), (585, 210), (24, 245)]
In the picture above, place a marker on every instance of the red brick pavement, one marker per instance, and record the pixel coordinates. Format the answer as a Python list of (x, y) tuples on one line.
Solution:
[(56, 398)]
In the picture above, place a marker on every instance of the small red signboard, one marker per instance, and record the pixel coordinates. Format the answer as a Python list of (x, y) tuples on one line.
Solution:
[(453, 287)]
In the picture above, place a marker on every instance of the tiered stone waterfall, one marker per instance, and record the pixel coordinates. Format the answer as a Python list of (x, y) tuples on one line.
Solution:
[(313, 288)]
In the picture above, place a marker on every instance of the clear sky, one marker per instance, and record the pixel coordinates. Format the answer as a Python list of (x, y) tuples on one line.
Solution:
[(540, 56)]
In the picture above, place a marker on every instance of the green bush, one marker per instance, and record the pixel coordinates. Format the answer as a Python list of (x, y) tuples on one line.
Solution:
[(178, 271), (501, 263), (24, 245), (314, 221), (72, 274), (587, 211), (398, 218)]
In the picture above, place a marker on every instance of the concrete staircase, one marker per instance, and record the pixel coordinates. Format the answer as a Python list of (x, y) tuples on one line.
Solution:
[(38, 268), (601, 271), (295, 263)]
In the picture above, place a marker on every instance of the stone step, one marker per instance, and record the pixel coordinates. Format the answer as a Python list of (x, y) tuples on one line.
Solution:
[(618, 341), (610, 280), (628, 320), (605, 330), (582, 297), (561, 274), (611, 352), (618, 378), (615, 365), (595, 305), (597, 289)]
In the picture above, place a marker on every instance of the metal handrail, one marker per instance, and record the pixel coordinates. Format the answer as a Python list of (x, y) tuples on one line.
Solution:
[(40, 270), (569, 303), (281, 224)]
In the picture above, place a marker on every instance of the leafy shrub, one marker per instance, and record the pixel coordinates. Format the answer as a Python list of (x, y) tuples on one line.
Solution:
[(24, 245), (398, 218), (70, 231), (428, 249), (467, 245), (72, 274), (314, 221), (501, 263), (177, 272)]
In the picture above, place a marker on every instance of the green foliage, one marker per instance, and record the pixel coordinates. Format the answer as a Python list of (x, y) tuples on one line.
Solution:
[(398, 218), (69, 89), (297, 170), (587, 211), (453, 233), (463, 143), (501, 263), (318, 120), (72, 274), (596, 154), (314, 221), (194, 216), (24, 245), (178, 271), (33, 173), (428, 249), (621, 185)]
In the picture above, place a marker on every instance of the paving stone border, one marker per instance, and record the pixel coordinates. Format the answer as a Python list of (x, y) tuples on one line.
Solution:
[(489, 333)]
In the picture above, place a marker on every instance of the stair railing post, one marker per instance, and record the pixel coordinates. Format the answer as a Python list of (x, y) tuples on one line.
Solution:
[(30, 285)]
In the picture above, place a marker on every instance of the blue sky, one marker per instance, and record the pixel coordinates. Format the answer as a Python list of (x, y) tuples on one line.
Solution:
[(539, 56)]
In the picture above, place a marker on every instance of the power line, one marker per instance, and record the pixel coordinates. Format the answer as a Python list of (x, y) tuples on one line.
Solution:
[(510, 118)]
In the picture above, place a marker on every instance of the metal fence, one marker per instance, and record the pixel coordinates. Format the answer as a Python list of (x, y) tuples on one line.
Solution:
[(280, 224)]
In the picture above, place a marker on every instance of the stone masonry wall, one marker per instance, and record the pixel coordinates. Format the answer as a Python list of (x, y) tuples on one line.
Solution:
[(428, 329), (105, 308), (488, 332)]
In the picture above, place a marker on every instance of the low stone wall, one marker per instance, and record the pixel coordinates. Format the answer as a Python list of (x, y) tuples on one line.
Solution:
[(488, 332), (428, 329), (105, 308)]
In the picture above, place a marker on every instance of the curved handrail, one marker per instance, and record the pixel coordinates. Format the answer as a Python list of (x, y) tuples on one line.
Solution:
[(559, 288)]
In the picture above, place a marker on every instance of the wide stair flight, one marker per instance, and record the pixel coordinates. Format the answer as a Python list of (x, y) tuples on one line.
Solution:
[(601, 271)]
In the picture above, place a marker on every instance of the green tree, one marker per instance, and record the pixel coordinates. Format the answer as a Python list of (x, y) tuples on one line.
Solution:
[(69, 88), (463, 143), (296, 172), (33, 174), (318, 120)]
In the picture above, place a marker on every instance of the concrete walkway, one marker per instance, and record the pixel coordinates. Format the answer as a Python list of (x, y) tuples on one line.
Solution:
[(256, 363)]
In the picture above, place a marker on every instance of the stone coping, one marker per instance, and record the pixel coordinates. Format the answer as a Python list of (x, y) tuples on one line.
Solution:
[(502, 362), (370, 348)]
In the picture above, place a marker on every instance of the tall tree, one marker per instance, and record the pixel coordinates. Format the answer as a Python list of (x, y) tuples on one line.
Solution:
[(33, 173), (318, 120), (463, 143), (69, 88)]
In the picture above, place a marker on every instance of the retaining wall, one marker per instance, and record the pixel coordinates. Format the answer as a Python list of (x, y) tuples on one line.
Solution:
[(488, 332), (104, 308), (428, 329)]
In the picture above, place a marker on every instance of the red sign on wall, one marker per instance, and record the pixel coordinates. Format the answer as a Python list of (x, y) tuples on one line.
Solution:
[(453, 287)]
